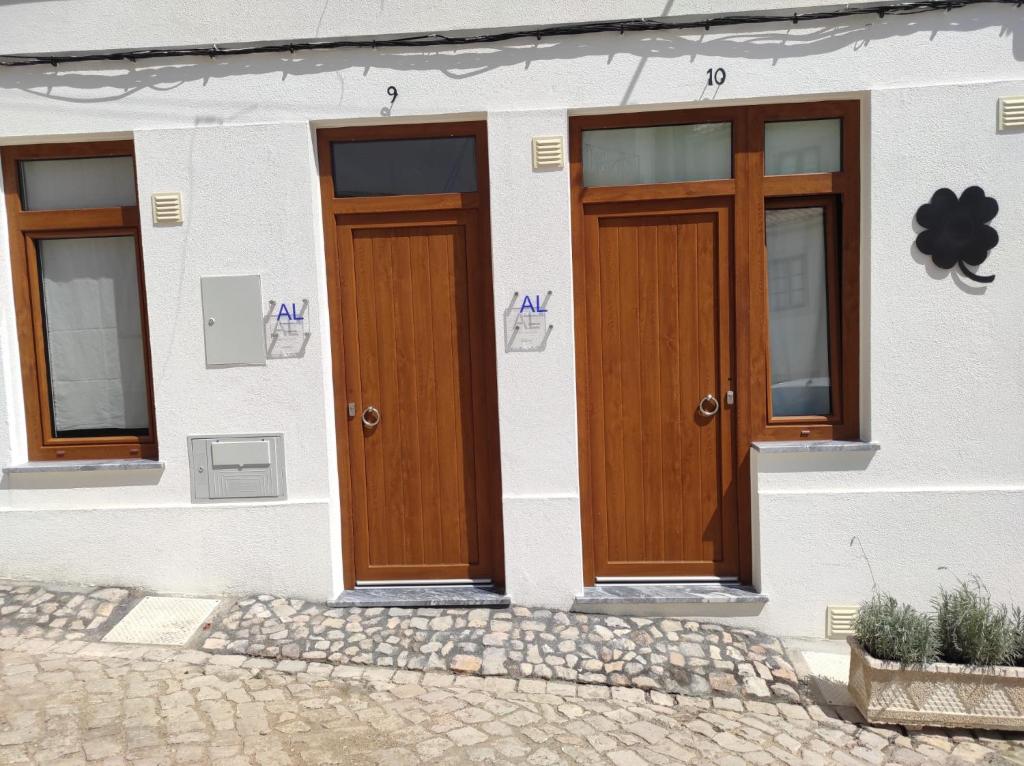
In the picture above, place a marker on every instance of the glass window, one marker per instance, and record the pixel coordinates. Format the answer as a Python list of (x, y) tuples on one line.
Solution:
[(662, 154), (77, 183), (802, 146), (404, 166), (93, 336), (798, 311)]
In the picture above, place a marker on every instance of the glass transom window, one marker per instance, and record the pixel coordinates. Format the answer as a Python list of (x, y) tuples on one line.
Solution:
[(659, 154), (404, 166), (802, 146), (90, 182)]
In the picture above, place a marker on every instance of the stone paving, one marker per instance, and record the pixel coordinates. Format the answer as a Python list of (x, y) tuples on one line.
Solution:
[(675, 656), (74, 702), (32, 609)]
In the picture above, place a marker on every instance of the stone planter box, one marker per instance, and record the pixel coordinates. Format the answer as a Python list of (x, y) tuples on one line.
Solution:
[(936, 694)]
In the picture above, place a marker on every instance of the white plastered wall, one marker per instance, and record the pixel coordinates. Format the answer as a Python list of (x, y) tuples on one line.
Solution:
[(942, 364)]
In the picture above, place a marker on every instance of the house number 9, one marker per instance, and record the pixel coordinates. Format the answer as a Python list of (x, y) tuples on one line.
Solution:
[(716, 76)]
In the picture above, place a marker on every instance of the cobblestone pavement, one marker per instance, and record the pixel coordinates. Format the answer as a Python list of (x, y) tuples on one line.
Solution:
[(662, 654), (74, 702), (37, 610)]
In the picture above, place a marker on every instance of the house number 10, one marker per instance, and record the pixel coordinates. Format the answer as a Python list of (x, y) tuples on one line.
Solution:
[(716, 76)]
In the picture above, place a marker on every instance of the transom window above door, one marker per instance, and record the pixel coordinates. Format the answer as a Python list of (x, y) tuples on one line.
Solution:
[(657, 154), (404, 166), (80, 301)]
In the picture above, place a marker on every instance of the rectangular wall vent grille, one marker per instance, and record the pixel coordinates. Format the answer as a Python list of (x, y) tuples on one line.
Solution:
[(839, 621), (1011, 113), (167, 207), (548, 152)]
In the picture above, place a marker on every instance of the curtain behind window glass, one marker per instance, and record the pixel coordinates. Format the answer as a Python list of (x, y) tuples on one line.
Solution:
[(798, 312), (93, 331)]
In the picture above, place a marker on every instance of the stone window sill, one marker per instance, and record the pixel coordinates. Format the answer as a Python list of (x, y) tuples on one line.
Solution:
[(75, 466), (789, 447)]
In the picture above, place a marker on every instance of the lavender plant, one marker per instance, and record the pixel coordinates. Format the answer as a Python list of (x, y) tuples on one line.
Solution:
[(974, 631), (892, 631)]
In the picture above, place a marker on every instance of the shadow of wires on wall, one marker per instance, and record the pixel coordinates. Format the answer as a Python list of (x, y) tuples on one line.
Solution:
[(772, 42)]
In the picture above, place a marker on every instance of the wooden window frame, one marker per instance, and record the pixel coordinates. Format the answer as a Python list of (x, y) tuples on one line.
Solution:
[(26, 228), (839, 193)]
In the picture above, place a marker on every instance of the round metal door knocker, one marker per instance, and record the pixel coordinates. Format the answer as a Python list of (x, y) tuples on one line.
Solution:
[(371, 418), (709, 399)]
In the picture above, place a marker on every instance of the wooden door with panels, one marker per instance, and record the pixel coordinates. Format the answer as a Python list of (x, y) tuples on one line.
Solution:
[(656, 329), (412, 333)]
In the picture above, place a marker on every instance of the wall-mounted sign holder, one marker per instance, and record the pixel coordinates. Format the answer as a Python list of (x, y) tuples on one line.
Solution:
[(288, 329), (527, 326)]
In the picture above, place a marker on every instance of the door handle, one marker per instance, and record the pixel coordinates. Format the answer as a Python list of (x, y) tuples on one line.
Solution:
[(709, 399), (371, 418)]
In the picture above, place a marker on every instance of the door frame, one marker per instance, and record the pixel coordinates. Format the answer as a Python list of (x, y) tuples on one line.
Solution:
[(340, 325), (749, 187)]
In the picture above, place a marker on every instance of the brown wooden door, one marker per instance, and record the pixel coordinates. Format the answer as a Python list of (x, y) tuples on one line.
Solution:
[(416, 312), (658, 476)]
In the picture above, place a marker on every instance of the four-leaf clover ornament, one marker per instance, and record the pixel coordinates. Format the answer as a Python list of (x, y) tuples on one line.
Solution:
[(956, 231)]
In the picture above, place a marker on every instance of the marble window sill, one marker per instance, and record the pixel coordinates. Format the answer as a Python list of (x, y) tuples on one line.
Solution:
[(781, 447), (74, 466)]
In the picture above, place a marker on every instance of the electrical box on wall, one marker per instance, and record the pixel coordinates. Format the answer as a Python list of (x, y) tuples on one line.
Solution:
[(233, 320), (249, 467)]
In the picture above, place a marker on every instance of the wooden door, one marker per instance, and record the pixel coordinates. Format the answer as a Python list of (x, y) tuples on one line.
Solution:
[(658, 473), (409, 280)]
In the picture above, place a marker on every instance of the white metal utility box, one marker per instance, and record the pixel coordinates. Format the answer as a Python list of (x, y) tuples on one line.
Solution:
[(249, 467)]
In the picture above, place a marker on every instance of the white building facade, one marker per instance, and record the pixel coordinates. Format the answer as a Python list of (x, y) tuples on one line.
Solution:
[(704, 347)]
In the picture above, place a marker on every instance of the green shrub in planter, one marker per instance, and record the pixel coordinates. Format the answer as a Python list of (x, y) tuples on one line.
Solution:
[(892, 631), (974, 631), (1018, 619)]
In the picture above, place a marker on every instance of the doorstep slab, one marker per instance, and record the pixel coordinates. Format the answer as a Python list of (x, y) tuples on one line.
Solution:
[(422, 596), (669, 593)]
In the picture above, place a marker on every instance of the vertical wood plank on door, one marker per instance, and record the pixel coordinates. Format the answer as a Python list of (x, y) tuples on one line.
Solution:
[(649, 425), (671, 412)]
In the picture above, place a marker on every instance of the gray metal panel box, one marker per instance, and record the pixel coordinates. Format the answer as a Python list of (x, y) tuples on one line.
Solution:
[(233, 320), (249, 467)]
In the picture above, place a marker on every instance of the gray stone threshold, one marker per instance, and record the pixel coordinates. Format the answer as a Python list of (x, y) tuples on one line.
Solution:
[(422, 596), (668, 593)]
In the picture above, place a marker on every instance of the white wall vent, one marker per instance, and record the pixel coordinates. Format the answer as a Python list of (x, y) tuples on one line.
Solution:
[(548, 152), (839, 620), (167, 207), (1011, 113)]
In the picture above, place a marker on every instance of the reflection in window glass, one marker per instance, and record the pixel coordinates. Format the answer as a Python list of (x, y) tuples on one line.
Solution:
[(654, 155), (404, 166), (798, 311), (78, 183), (93, 332), (802, 146)]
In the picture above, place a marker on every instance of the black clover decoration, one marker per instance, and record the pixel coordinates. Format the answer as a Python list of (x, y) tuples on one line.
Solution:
[(956, 231)]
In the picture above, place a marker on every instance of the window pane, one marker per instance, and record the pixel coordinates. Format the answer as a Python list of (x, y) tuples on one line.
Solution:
[(93, 331), (404, 166), (64, 184), (662, 154), (798, 311), (804, 146)]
